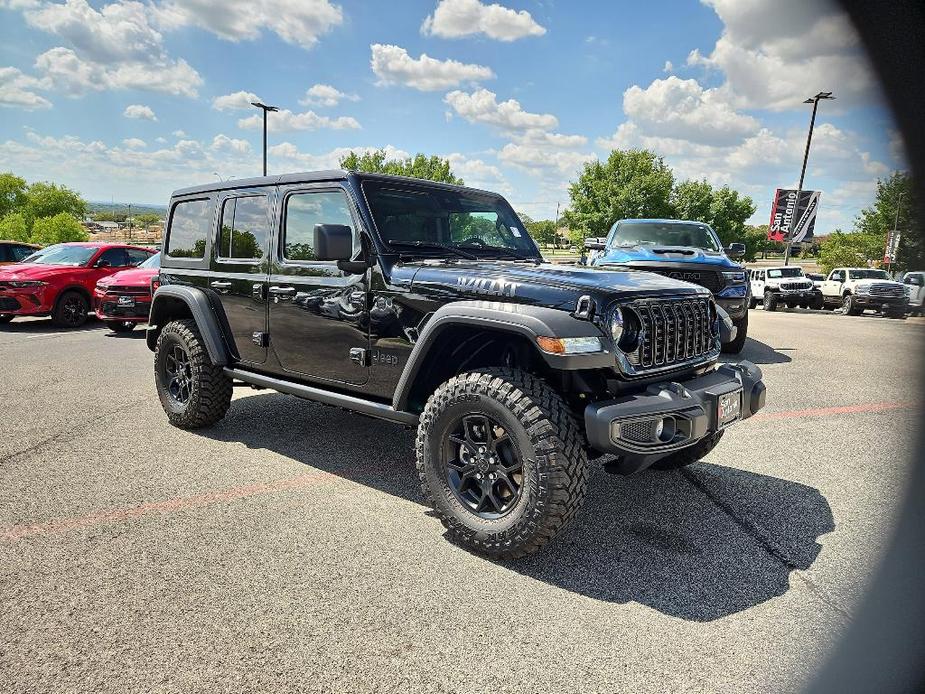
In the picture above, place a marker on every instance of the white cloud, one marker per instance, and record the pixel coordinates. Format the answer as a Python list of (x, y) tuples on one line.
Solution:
[(481, 106), (458, 18), (179, 133), (539, 158), (299, 22), (774, 59), (224, 143), (17, 90), (287, 156), (134, 143), (479, 174), (139, 111), (682, 109), (393, 65), (286, 120), (237, 101), (669, 67), (325, 95)]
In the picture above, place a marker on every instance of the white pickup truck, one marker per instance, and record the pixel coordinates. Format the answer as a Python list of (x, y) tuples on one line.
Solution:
[(914, 282), (856, 289)]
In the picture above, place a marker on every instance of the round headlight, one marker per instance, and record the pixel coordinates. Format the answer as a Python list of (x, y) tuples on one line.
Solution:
[(616, 325)]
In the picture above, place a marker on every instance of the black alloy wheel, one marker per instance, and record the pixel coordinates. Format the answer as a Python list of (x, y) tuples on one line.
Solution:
[(71, 310), (483, 466), (178, 374)]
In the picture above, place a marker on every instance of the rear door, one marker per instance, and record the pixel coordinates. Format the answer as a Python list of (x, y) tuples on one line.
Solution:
[(240, 261), (319, 321)]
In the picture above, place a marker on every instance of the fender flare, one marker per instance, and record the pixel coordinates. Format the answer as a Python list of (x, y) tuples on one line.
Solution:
[(203, 313), (518, 319)]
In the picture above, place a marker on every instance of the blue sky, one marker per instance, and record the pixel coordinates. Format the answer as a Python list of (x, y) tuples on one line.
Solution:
[(129, 100)]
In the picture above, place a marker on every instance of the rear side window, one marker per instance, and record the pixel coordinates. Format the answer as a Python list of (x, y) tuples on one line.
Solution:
[(303, 212), (244, 230), (20, 252), (137, 257), (189, 229)]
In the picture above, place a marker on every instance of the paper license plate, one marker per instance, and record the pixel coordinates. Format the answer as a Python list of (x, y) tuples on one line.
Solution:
[(728, 408), (126, 301)]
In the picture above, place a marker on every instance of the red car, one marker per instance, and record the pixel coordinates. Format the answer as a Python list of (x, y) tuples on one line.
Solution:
[(124, 299), (59, 280)]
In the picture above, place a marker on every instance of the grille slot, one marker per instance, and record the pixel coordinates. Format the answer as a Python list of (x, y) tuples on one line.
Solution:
[(893, 290), (642, 431), (672, 332), (705, 278)]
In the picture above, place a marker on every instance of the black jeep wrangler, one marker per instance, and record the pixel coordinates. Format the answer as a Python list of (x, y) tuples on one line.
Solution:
[(429, 305)]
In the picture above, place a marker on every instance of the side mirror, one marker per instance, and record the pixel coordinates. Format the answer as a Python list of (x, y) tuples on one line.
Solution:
[(594, 246), (736, 250), (333, 242)]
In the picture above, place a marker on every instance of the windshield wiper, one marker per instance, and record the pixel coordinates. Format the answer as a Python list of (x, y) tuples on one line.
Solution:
[(502, 251), (435, 245)]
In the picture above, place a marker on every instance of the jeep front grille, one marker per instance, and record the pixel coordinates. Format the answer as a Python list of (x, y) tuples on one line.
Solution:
[(672, 332), (796, 286)]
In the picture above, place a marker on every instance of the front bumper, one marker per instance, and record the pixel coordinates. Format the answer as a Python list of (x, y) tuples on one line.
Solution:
[(24, 302), (689, 411), (885, 303), (806, 296)]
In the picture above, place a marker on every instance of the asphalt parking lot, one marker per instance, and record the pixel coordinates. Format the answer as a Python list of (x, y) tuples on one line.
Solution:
[(286, 549)]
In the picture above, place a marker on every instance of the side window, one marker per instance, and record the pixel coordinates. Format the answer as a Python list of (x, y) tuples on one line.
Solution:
[(189, 228), (136, 257), (20, 252), (6, 254), (303, 212), (244, 230), (113, 257), (761, 276)]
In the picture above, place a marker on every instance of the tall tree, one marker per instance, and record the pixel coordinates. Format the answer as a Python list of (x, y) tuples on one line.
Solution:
[(856, 249), (723, 209), (60, 228), (431, 168), (543, 231), (13, 227), (49, 199), (12, 193), (895, 192), (630, 184)]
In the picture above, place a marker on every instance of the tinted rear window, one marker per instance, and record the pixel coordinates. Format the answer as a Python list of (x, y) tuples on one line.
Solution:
[(189, 229)]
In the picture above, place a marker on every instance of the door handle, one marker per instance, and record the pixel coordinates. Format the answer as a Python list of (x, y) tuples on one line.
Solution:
[(282, 293), (220, 286)]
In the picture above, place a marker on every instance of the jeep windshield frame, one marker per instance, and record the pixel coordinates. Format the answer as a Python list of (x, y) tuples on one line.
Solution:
[(440, 220), (663, 233)]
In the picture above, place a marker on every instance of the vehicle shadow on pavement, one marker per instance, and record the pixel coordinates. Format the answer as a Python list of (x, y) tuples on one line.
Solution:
[(759, 352), (699, 544), (37, 326)]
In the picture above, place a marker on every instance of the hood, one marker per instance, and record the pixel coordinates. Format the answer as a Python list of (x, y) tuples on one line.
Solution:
[(867, 282), (32, 271), (663, 254), (555, 286), (137, 276)]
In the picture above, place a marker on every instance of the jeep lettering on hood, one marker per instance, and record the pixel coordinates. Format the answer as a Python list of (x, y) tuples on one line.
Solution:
[(492, 287)]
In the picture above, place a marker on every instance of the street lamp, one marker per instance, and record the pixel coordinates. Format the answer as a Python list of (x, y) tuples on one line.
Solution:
[(814, 100), (265, 110)]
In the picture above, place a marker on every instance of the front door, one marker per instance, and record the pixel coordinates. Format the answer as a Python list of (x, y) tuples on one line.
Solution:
[(240, 261), (319, 321)]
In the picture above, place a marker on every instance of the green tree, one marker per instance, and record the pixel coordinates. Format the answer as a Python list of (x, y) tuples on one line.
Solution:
[(543, 231), (146, 219), (756, 241), (13, 227), (49, 200), (60, 228), (879, 218), (850, 250), (431, 168), (12, 193), (723, 209), (630, 184)]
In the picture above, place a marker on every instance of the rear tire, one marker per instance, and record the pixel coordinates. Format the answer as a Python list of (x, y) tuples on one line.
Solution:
[(537, 447), (194, 392), (737, 344), (70, 310), (6, 318), (121, 326), (689, 455), (770, 301)]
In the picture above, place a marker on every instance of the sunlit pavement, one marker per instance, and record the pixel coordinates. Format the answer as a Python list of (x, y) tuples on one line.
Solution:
[(287, 547)]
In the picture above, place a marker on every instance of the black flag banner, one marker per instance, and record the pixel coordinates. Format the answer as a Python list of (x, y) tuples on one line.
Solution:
[(790, 219)]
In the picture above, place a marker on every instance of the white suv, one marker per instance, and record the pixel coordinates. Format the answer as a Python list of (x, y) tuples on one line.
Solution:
[(914, 282), (785, 285), (859, 288)]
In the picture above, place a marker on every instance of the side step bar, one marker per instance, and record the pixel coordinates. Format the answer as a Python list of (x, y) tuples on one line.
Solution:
[(348, 402)]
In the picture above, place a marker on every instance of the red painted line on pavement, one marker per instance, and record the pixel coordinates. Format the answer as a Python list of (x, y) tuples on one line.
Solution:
[(18, 532), (845, 409)]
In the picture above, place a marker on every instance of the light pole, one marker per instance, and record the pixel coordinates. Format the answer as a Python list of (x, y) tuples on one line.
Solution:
[(265, 110), (814, 100), (215, 173)]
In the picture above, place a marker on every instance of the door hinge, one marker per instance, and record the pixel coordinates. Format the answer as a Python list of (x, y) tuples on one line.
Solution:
[(260, 339), (359, 356)]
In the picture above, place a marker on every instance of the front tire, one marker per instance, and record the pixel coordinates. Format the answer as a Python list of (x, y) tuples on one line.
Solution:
[(689, 455), (501, 460), (738, 344), (70, 310), (770, 301), (849, 307), (194, 392), (121, 326)]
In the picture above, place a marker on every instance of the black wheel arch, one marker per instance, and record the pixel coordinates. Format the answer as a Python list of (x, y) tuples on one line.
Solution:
[(176, 302)]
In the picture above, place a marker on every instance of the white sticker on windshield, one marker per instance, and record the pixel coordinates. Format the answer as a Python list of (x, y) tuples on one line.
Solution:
[(515, 231)]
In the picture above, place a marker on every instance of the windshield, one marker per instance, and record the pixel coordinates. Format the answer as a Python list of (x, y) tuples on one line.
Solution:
[(428, 218), (154, 261), (663, 234), (786, 272), (868, 274), (61, 255)]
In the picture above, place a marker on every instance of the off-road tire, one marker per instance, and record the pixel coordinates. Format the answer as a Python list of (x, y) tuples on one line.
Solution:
[(753, 302), (849, 307), (550, 445), (210, 391), (770, 301), (120, 326), (6, 318), (817, 304), (689, 455), (70, 310), (738, 344)]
